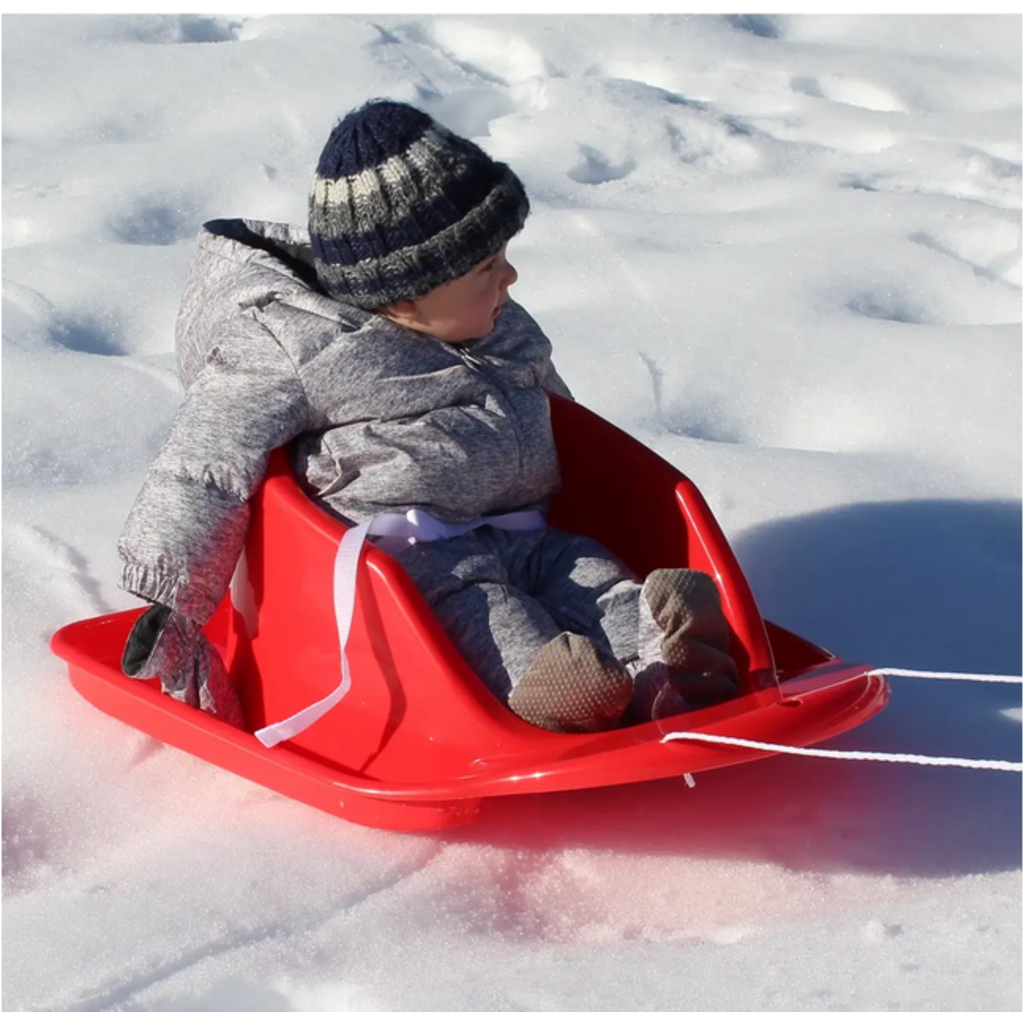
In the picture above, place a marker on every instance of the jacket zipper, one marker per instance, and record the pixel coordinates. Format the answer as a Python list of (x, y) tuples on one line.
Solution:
[(481, 367)]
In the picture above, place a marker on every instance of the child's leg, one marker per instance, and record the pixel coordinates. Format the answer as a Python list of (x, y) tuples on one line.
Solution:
[(558, 682), (684, 660), (670, 631), (558, 628), (496, 628), (584, 588)]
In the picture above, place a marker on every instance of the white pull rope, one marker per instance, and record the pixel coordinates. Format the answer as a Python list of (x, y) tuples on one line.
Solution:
[(945, 675), (845, 755), (864, 755)]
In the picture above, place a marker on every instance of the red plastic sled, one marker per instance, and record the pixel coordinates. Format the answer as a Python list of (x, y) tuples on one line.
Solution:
[(418, 742)]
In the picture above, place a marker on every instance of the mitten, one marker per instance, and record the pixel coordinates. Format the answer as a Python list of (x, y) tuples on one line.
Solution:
[(166, 644)]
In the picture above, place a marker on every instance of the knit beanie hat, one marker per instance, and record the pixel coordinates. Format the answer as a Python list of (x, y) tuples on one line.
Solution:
[(400, 205)]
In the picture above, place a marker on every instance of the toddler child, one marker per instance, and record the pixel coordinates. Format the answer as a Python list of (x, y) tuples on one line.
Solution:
[(382, 345)]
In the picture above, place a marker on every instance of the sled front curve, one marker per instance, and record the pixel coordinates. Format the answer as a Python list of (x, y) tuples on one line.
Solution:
[(418, 742)]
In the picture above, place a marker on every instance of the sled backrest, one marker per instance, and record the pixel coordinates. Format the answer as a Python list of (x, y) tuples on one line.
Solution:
[(652, 516)]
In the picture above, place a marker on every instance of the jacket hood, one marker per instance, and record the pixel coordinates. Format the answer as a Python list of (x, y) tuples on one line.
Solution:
[(241, 264)]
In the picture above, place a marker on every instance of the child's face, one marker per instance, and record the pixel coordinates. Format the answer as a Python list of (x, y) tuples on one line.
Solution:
[(464, 309)]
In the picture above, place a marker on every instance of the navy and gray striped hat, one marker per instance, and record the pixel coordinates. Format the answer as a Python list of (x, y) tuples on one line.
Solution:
[(400, 205)]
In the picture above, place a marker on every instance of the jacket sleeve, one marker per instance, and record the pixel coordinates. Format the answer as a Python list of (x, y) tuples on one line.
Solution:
[(186, 529)]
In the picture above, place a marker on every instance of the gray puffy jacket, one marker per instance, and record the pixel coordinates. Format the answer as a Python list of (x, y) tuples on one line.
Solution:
[(385, 418)]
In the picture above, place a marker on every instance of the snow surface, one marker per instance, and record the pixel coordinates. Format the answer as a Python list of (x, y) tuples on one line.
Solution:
[(782, 251)]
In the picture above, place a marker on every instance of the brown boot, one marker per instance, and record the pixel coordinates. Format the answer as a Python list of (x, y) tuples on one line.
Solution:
[(572, 686), (684, 646)]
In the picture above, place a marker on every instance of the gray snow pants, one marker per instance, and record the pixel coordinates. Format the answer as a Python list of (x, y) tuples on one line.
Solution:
[(501, 595)]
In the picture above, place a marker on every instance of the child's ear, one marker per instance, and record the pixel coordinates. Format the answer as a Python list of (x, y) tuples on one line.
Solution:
[(401, 312)]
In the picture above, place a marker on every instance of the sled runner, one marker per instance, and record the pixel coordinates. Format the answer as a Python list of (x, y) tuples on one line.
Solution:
[(419, 741)]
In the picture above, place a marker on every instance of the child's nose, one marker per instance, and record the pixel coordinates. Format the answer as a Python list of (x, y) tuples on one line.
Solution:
[(511, 276)]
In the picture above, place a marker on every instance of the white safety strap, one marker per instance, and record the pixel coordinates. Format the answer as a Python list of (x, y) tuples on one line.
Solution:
[(419, 526), (416, 525), (346, 568)]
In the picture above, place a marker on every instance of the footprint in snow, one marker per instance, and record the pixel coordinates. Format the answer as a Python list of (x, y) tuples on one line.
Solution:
[(85, 336), (156, 220), (851, 92), (765, 26), (501, 58), (188, 28), (882, 304), (497, 56), (595, 168)]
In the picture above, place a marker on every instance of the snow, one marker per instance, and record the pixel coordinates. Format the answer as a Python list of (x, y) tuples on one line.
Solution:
[(782, 251)]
